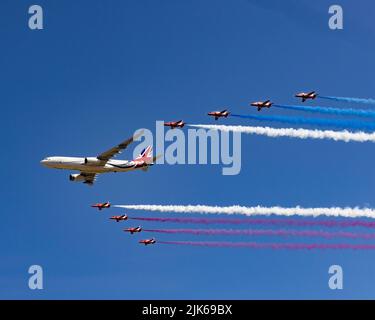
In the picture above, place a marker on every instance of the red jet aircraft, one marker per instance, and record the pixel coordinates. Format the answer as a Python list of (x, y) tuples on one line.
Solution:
[(119, 218), (310, 95), (175, 124), (262, 104), (101, 206), (148, 241), (133, 230), (219, 114)]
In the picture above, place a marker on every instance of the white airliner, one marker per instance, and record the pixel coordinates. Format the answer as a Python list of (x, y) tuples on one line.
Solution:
[(89, 167)]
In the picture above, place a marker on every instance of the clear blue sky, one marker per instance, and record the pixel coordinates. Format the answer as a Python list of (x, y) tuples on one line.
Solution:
[(101, 69)]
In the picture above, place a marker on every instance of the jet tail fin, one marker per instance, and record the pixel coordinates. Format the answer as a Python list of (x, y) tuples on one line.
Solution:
[(145, 155)]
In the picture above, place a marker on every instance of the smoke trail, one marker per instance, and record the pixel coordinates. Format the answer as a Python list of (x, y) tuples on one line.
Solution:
[(258, 210), (347, 99), (276, 246), (311, 121), (326, 110), (257, 232), (268, 221), (345, 136)]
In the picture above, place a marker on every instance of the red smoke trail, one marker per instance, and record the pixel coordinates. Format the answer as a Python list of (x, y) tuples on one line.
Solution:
[(251, 221), (276, 246), (283, 233)]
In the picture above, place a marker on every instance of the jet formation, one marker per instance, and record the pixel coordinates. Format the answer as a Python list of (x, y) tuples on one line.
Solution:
[(124, 217), (90, 167), (141, 162)]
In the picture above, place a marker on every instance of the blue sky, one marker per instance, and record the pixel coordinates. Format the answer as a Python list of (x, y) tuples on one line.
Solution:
[(102, 69)]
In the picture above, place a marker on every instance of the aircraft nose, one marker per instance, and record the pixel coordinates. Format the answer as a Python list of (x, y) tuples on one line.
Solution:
[(44, 162)]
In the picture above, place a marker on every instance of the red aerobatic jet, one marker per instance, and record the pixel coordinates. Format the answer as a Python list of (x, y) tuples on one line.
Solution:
[(219, 114), (148, 241), (123, 217), (175, 124), (133, 230), (304, 96), (101, 206), (262, 104)]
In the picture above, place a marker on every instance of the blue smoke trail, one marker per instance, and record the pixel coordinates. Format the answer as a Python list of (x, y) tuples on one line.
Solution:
[(337, 111), (311, 121), (347, 99)]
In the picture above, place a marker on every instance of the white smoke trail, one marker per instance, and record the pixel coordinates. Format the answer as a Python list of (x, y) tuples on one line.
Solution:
[(258, 210), (345, 136)]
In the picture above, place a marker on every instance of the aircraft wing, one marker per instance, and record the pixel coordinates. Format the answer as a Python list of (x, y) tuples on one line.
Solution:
[(106, 155), (89, 177)]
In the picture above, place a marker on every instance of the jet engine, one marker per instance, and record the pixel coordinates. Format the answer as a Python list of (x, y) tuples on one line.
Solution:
[(92, 161), (76, 177)]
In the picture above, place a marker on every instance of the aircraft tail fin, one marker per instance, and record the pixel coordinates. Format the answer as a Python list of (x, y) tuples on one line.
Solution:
[(145, 155)]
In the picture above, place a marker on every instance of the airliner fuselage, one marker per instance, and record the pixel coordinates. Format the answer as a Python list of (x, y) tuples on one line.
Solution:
[(91, 164), (90, 167)]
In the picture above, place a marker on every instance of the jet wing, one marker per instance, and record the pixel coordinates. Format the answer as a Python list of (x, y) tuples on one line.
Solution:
[(105, 156), (89, 177)]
